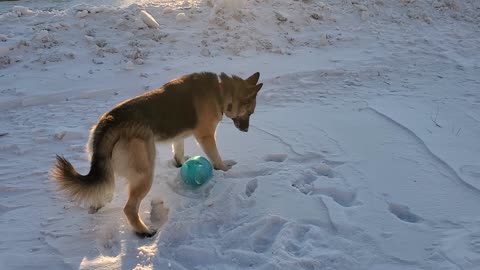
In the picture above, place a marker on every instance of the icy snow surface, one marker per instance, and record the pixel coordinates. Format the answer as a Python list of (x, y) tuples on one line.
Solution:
[(363, 153)]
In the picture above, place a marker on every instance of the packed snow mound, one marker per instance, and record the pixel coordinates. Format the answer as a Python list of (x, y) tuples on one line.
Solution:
[(132, 34)]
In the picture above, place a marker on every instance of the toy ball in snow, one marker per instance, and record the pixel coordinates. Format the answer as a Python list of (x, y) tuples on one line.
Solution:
[(196, 171)]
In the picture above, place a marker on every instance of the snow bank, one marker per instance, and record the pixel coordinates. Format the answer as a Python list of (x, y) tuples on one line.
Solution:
[(362, 153)]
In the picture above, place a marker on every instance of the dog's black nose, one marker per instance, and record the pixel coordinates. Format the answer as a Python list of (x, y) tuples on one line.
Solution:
[(241, 124)]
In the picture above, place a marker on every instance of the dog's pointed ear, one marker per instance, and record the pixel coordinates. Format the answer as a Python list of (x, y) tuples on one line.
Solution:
[(252, 80), (254, 91), (256, 88)]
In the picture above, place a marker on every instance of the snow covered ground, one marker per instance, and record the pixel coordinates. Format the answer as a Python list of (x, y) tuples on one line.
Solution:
[(363, 153)]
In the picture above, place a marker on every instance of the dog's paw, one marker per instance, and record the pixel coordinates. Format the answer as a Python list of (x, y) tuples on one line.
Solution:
[(178, 162), (150, 233), (226, 165), (229, 163)]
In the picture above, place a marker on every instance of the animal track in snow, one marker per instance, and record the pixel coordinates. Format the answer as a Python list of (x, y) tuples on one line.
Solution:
[(307, 184), (343, 197), (251, 187), (248, 173), (304, 182), (323, 169), (297, 233), (159, 213), (475, 242), (262, 234), (4, 209), (11, 190), (264, 237), (108, 239), (276, 157), (471, 170), (462, 244), (403, 213)]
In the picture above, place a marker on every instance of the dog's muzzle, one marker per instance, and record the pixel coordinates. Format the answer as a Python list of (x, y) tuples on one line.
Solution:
[(241, 124)]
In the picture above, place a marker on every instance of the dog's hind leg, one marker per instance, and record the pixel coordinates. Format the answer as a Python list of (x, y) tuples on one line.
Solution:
[(178, 152), (136, 195), (141, 162)]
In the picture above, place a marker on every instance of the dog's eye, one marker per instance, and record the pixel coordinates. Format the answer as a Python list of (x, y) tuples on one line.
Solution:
[(229, 107)]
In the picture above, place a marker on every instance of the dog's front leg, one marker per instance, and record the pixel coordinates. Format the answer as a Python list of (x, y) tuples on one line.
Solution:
[(209, 146), (178, 152)]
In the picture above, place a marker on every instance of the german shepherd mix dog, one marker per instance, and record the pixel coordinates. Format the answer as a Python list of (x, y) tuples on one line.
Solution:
[(123, 140)]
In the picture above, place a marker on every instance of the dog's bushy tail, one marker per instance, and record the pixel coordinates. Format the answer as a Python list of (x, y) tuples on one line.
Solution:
[(93, 190)]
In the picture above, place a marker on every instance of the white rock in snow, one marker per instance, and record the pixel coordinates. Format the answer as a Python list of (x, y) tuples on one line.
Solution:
[(148, 19), (22, 11), (181, 17), (3, 38), (90, 39), (167, 10), (361, 7)]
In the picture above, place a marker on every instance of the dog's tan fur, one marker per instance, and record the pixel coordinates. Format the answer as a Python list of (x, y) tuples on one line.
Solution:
[(122, 143)]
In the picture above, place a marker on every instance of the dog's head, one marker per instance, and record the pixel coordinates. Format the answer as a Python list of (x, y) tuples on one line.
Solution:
[(242, 101)]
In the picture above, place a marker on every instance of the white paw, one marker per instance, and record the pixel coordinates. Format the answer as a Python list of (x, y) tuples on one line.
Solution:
[(226, 165)]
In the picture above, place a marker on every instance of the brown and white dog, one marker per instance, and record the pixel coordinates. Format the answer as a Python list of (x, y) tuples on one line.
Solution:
[(123, 141)]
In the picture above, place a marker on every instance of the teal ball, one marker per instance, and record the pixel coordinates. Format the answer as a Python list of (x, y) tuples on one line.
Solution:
[(196, 171)]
